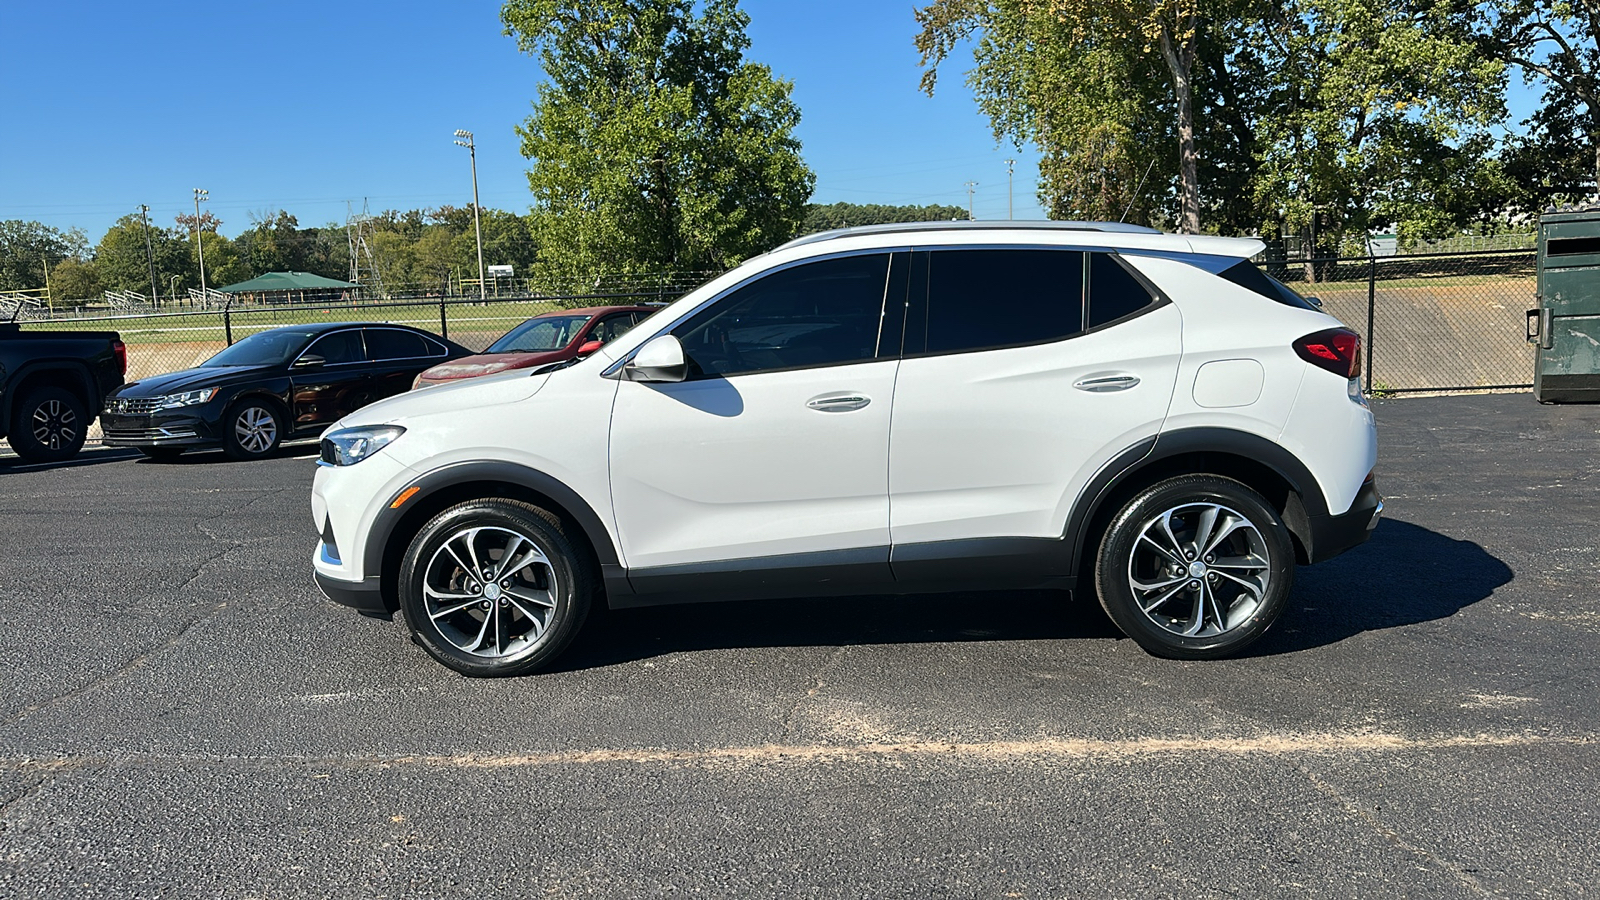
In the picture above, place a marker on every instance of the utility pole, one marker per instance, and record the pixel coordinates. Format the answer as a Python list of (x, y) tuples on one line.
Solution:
[(1010, 169), (971, 187), (200, 196), (149, 255), (476, 228)]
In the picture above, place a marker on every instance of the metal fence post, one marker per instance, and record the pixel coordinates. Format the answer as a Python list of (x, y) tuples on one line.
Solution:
[(444, 325), (227, 320), (1372, 297)]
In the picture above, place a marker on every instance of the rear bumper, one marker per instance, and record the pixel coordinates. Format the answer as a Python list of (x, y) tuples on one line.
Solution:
[(1333, 535)]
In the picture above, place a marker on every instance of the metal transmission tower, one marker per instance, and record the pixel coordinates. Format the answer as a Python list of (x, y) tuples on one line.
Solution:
[(358, 232)]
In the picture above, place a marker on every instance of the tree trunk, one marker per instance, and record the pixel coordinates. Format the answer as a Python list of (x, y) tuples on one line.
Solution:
[(1180, 63)]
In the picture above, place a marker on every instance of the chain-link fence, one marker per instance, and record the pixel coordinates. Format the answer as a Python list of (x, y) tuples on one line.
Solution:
[(161, 342), (1434, 322)]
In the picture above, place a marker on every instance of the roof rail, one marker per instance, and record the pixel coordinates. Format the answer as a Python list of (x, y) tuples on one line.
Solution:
[(969, 225)]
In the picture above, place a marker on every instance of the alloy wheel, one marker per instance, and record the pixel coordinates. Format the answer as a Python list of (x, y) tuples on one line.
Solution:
[(491, 592), (255, 429), (1200, 570), (55, 425)]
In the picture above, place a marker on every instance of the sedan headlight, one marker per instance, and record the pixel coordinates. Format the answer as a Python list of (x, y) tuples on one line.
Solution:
[(186, 398), (348, 446)]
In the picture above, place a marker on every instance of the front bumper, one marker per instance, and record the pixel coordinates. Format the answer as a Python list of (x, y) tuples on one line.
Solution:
[(161, 430), (365, 596), (1333, 535)]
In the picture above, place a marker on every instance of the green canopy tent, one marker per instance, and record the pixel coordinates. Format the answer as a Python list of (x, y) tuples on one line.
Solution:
[(290, 287)]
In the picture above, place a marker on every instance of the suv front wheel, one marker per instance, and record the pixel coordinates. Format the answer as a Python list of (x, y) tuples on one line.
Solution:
[(1195, 567), (494, 587)]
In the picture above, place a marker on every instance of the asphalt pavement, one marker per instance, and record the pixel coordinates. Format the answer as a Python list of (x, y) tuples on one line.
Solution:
[(183, 715)]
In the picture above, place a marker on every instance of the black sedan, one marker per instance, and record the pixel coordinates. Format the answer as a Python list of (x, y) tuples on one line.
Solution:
[(271, 387)]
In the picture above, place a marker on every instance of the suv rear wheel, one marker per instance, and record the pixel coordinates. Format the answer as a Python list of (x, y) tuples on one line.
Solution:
[(494, 587), (49, 425), (1195, 567)]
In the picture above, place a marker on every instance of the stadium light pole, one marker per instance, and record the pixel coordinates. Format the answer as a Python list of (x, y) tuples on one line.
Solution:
[(477, 229), (149, 256), (201, 195)]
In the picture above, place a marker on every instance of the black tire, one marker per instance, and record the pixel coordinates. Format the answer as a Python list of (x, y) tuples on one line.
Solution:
[(245, 428), (161, 454), (1237, 601), (534, 614), (49, 425)]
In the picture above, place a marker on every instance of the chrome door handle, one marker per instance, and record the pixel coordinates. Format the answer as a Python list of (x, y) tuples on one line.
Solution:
[(838, 402), (1103, 384)]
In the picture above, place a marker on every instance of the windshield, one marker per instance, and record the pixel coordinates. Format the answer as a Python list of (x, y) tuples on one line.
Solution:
[(268, 348), (543, 333)]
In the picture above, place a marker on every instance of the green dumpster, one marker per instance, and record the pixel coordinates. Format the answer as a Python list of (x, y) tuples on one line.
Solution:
[(1566, 324)]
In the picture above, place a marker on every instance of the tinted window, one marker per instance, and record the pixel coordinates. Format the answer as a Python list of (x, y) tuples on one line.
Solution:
[(1113, 291), (997, 298), (611, 327), (339, 347), (1245, 274), (817, 314), (392, 343)]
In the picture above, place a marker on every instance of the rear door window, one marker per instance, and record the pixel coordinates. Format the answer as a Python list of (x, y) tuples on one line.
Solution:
[(391, 344), (985, 299)]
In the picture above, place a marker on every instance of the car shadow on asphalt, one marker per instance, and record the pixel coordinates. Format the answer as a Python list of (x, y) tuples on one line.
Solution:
[(9, 464), (217, 457), (629, 635), (1405, 575)]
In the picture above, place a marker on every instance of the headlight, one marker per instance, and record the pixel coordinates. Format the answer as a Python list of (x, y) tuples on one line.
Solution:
[(348, 446), (186, 398)]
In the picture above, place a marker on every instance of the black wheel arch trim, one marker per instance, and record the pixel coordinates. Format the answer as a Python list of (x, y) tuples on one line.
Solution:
[(1306, 503), (489, 470), (79, 372)]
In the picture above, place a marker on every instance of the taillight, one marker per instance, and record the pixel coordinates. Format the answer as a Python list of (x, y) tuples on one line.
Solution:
[(1338, 350), (121, 350)]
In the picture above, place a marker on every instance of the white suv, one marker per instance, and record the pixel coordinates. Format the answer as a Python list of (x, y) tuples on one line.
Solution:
[(892, 409)]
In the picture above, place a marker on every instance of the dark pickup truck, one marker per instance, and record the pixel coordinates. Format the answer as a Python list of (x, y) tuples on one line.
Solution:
[(52, 384)]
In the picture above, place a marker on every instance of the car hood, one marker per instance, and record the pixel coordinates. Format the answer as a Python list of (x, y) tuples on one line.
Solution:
[(189, 380), (491, 363), (489, 390)]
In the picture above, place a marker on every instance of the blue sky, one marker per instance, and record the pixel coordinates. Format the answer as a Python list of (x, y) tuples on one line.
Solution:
[(306, 105)]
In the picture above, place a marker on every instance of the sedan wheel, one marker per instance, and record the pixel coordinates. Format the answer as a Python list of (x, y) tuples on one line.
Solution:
[(1195, 567), (493, 587), (253, 430)]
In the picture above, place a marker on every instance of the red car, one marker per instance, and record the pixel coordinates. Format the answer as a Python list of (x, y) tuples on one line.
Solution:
[(550, 337)]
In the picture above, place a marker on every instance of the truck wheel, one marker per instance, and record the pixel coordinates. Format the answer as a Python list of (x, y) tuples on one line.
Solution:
[(49, 425), (1195, 567)]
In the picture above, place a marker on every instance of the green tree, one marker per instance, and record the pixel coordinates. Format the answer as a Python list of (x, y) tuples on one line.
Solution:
[(656, 145), (29, 249), (1094, 83), (821, 217), (1556, 44), (120, 262), (1379, 118), (74, 279)]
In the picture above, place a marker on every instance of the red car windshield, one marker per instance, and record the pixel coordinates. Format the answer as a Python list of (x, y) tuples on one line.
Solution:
[(541, 334)]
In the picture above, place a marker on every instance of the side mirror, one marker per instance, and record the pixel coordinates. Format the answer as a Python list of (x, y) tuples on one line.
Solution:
[(660, 359), (309, 361), (588, 347)]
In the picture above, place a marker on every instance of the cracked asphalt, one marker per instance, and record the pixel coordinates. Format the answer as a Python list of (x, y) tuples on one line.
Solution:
[(183, 715)]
